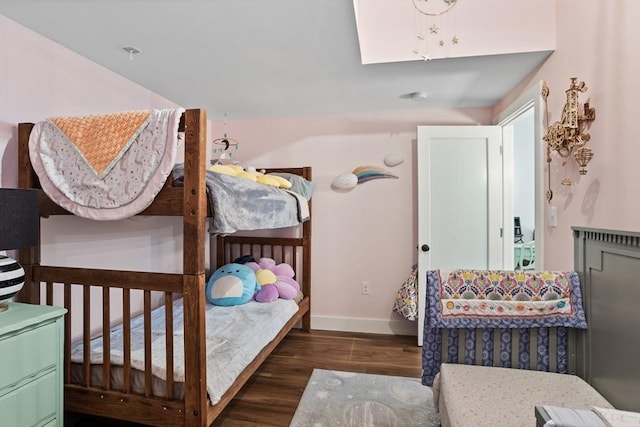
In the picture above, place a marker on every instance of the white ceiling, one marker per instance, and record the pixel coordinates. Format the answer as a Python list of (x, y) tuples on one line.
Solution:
[(262, 58)]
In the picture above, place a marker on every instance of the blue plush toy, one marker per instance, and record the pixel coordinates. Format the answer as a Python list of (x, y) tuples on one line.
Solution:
[(231, 284)]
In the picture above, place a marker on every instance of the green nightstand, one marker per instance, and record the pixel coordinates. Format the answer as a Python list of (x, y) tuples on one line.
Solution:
[(31, 351)]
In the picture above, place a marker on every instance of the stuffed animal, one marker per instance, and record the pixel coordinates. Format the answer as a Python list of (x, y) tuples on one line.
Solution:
[(281, 181), (223, 169), (251, 174), (231, 284), (274, 280)]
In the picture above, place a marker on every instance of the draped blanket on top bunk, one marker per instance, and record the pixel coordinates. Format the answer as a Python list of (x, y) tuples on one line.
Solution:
[(498, 301), (109, 167), (105, 167)]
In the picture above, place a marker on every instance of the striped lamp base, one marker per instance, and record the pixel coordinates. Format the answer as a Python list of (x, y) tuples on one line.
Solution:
[(11, 279)]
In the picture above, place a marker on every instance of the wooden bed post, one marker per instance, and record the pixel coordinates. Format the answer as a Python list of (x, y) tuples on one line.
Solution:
[(194, 216), (27, 257)]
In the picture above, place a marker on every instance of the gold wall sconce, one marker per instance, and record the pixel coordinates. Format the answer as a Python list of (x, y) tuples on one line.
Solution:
[(568, 136)]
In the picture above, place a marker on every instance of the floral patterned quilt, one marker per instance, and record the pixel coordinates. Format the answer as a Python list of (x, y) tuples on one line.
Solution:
[(496, 302), (471, 298)]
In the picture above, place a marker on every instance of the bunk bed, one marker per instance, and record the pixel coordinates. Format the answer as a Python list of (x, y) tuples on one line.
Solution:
[(140, 397)]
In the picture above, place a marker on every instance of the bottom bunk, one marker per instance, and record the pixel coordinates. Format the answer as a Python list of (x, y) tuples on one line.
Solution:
[(235, 336), (150, 380)]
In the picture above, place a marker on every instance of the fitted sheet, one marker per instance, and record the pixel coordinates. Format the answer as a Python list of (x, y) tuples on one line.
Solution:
[(472, 396), (235, 336)]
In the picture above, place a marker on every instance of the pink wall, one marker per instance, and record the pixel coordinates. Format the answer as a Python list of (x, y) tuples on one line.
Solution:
[(597, 43), (40, 79), (368, 233)]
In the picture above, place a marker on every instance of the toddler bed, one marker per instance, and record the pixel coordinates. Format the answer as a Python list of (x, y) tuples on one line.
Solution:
[(602, 357), (166, 365)]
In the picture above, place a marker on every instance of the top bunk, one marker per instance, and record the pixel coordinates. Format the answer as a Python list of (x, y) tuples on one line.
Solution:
[(186, 189)]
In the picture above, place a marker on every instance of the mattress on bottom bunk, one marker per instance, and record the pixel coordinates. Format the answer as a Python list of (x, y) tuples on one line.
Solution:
[(235, 336), (469, 395)]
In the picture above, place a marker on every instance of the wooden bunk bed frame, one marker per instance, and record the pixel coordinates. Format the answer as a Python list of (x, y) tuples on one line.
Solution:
[(190, 203)]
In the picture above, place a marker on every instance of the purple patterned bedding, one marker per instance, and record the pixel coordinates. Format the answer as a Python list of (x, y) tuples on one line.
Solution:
[(496, 302)]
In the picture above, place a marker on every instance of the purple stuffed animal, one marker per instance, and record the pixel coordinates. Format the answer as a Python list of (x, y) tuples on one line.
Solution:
[(275, 280)]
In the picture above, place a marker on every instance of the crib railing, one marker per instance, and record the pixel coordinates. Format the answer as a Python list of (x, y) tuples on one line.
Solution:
[(468, 322), (544, 349)]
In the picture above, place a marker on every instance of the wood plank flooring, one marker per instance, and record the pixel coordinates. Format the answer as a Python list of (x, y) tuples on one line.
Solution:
[(271, 396)]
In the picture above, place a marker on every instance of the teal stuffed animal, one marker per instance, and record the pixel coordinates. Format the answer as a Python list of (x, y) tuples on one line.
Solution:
[(231, 284)]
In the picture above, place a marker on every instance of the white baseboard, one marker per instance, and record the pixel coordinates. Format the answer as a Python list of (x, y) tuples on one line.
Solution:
[(370, 326)]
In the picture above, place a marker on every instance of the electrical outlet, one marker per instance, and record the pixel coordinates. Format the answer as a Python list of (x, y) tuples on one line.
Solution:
[(364, 287)]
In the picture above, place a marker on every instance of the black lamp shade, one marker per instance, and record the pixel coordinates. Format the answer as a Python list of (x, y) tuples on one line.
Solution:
[(19, 218), (19, 228)]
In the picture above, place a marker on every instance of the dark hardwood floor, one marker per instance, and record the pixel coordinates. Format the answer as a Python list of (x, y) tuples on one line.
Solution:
[(271, 396)]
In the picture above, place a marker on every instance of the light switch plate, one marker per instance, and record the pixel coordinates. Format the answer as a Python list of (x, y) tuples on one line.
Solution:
[(553, 216)]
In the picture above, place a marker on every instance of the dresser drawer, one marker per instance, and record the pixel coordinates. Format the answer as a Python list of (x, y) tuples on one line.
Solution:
[(25, 354), (34, 404)]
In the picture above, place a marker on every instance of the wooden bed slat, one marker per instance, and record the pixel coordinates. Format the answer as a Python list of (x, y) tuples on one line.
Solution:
[(168, 305), (147, 345), (86, 334), (126, 332), (67, 333), (106, 337)]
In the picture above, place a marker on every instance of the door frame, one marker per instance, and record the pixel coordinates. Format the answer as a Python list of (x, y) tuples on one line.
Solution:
[(529, 99)]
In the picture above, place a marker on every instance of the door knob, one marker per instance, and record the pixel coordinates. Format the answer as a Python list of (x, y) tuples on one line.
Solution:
[(425, 248)]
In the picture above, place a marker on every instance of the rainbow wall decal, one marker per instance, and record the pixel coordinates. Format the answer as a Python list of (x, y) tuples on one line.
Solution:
[(366, 173)]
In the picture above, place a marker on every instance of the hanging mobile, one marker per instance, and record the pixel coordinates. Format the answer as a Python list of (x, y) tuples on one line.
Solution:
[(225, 148)]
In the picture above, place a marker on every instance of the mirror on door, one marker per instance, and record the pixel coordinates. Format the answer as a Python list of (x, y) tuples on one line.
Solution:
[(523, 251), (524, 204)]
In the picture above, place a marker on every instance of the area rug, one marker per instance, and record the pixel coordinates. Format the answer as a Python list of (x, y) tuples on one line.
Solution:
[(335, 398)]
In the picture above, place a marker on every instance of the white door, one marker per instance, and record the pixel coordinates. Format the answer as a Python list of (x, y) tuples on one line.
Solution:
[(460, 222)]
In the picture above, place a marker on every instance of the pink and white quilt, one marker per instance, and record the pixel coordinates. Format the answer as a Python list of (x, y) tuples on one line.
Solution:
[(105, 167)]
